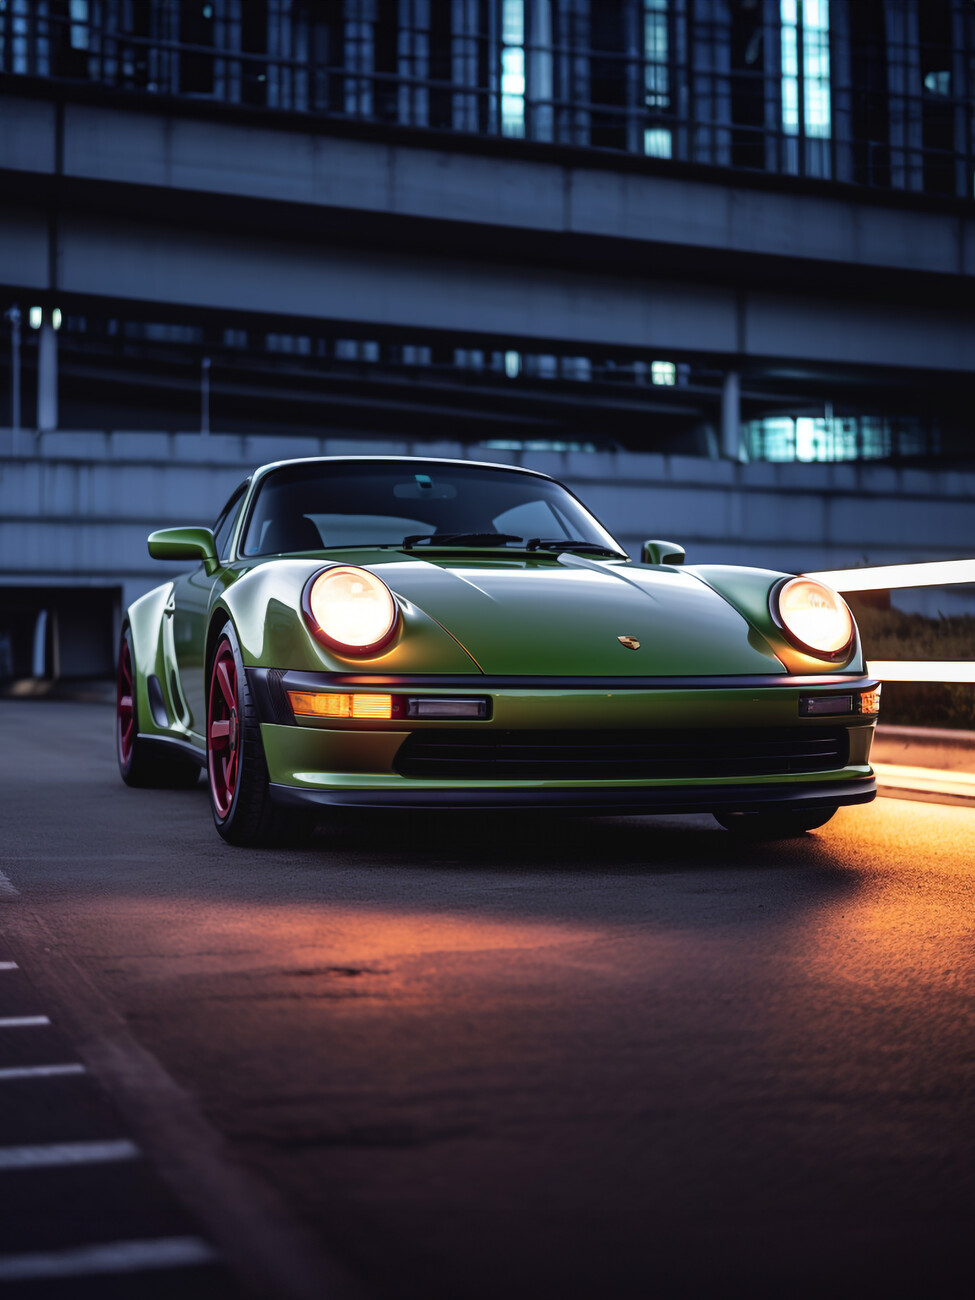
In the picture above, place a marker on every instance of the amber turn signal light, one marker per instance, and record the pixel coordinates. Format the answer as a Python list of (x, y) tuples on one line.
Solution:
[(870, 701), (318, 704)]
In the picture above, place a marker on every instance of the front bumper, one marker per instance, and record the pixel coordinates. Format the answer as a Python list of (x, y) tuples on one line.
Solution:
[(591, 799), (352, 762)]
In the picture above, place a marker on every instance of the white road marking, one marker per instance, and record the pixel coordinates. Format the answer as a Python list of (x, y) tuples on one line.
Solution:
[(52, 1154), (21, 1022), (108, 1257), (6, 887), (39, 1071), (8, 965)]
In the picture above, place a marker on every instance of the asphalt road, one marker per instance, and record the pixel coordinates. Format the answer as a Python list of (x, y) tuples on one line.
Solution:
[(470, 1058)]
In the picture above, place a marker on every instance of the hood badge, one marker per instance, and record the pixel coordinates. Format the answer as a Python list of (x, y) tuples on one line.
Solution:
[(630, 642)]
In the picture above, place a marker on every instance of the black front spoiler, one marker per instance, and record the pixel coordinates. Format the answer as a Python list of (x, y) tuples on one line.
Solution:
[(670, 799)]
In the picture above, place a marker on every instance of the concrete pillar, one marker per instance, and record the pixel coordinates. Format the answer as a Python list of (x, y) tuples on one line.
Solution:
[(47, 378), (731, 416), (205, 395)]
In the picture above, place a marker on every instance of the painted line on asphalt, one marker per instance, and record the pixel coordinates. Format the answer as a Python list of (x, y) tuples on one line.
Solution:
[(22, 1022), (251, 1226), (6, 887), (9, 965), (39, 1071), (108, 1257), (52, 1154)]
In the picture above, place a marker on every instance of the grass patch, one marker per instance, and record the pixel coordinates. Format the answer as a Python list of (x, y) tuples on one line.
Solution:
[(891, 634)]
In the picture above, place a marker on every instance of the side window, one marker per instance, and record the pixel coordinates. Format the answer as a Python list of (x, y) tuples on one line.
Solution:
[(224, 526)]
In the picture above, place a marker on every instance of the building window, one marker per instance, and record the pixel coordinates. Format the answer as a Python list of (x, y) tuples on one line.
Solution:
[(196, 29), (806, 109), (663, 372), (829, 438), (513, 67)]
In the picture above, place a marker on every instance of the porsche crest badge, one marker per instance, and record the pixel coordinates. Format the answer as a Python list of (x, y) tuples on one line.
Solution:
[(630, 642)]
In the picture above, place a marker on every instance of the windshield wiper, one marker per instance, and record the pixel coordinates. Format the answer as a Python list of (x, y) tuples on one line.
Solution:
[(460, 539), (567, 544)]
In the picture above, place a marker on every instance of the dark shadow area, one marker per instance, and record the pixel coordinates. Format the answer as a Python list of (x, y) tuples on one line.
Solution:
[(561, 866)]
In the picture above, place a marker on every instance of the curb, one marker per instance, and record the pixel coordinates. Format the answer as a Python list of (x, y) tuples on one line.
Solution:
[(947, 751), (930, 763)]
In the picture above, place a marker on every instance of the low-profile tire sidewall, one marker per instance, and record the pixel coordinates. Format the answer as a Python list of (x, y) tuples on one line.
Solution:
[(251, 819), (126, 767), (230, 826)]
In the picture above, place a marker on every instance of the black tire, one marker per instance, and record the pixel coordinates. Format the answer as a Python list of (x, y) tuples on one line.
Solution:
[(243, 811), (773, 825), (141, 763)]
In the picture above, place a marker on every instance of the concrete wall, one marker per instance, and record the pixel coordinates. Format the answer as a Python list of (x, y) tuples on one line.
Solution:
[(154, 206), (75, 508)]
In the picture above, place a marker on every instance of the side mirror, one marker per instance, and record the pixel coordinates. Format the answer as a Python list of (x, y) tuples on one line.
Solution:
[(185, 544), (658, 552)]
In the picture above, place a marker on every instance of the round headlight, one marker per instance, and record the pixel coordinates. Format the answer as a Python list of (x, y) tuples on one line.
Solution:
[(350, 608), (815, 617)]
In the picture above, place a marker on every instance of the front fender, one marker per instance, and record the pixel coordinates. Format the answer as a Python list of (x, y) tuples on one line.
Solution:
[(264, 604), (747, 590)]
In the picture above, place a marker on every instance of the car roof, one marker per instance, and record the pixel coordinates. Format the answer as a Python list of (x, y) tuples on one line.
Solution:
[(426, 460)]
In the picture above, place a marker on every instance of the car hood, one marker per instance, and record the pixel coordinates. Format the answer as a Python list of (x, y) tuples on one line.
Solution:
[(564, 616)]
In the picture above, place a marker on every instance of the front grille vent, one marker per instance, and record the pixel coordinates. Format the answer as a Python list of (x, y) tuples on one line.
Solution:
[(492, 755)]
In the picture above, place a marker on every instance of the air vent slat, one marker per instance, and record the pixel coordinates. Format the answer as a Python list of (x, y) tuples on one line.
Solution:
[(625, 755)]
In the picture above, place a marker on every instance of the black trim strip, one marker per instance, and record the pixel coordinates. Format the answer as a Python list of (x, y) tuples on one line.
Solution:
[(296, 680), (270, 696), (671, 799), (169, 743)]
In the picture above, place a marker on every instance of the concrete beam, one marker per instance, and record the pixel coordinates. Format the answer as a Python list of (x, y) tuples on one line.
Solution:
[(480, 183), (194, 270)]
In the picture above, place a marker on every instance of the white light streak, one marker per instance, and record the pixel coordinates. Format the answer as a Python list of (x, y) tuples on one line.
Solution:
[(108, 1257), (53, 1154), (39, 1071), (935, 573), (22, 1022), (919, 670)]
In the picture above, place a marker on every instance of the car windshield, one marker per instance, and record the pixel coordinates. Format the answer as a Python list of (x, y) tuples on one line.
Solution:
[(417, 504)]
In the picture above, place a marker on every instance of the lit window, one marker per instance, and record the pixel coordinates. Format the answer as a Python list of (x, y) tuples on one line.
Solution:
[(513, 68), (56, 318), (810, 20), (827, 439), (512, 364), (656, 51), (36, 317), (657, 143), (537, 444), (938, 83), (663, 372), (78, 13)]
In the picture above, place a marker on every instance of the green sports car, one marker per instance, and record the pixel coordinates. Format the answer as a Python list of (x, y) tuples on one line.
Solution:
[(380, 632)]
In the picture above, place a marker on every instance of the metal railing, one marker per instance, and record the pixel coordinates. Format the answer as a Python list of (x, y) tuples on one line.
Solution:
[(802, 88)]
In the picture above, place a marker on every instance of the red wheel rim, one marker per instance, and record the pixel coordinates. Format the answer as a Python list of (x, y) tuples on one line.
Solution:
[(125, 714), (223, 730)]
